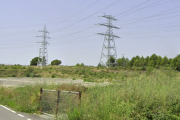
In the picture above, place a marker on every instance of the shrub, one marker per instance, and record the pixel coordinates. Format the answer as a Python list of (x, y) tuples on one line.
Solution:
[(143, 68), (13, 75), (53, 76)]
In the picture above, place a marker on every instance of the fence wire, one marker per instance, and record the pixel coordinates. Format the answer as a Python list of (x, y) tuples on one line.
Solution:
[(58, 102)]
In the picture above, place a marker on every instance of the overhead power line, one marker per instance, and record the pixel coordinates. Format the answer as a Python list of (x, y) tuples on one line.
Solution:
[(159, 14), (112, 4), (78, 12)]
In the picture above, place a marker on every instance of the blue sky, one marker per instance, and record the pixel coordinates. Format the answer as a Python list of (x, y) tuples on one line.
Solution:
[(147, 27)]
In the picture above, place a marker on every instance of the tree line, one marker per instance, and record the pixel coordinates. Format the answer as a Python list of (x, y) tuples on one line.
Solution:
[(137, 61), (153, 61)]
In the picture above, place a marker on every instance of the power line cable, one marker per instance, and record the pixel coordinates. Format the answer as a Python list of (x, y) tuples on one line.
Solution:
[(90, 15), (151, 16), (78, 12)]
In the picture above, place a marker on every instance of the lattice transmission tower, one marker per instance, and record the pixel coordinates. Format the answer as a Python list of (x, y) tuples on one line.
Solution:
[(109, 48), (43, 53)]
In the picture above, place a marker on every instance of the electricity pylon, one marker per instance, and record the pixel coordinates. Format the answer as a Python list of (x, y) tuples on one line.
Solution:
[(43, 53), (109, 48)]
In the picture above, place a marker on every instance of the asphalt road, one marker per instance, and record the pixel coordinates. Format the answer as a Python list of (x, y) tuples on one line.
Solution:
[(8, 114)]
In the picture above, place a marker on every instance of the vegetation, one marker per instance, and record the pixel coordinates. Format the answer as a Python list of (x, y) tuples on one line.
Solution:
[(28, 96), (153, 61), (111, 62), (56, 62), (140, 88), (34, 61), (152, 96), (82, 64)]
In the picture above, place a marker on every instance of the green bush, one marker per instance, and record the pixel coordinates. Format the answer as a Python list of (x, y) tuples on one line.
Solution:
[(27, 74), (87, 80), (143, 68), (149, 70), (53, 76)]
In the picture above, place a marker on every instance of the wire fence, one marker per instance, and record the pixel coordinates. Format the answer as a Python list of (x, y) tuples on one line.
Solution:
[(56, 102)]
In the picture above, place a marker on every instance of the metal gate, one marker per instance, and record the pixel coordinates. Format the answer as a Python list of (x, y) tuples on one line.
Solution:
[(56, 102)]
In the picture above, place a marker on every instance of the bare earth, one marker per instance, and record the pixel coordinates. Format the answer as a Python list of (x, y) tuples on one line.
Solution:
[(13, 82)]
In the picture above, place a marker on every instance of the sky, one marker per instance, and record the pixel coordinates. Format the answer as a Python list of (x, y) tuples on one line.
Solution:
[(146, 27)]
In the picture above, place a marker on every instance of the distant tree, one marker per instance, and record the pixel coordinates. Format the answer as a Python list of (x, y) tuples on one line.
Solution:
[(119, 62), (141, 62), (170, 62), (126, 61), (165, 61), (77, 64), (111, 61), (122, 62), (153, 58), (159, 62), (100, 65), (146, 60), (150, 63), (176, 62), (136, 63), (131, 62), (56, 62), (137, 57), (82, 64), (34, 61)]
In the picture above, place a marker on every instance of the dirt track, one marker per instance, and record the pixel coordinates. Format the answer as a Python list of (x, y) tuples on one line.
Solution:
[(12, 82)]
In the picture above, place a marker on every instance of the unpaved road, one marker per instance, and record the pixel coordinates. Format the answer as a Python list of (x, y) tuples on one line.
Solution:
[(13, 82)]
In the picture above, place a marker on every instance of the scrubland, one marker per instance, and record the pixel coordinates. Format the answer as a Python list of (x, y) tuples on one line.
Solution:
[(133, 93)]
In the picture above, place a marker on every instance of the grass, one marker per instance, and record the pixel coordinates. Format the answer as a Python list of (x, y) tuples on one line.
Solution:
[(154, 97), (86, 73), (148, 95), (28, 96)]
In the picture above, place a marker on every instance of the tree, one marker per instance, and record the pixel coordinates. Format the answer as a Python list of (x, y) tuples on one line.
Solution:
[(34, 61), (146, 60), (165, 61), (131, 62), (159, 62), (82, 64), (151, 63), (153, 58), (176, 62), (170, 62), (111, 61), (126, 61), (141, 62), (136, 63), (56, 62), (77, 64)]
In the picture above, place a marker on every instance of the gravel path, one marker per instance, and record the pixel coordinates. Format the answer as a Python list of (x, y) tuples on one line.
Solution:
[(12, 82)]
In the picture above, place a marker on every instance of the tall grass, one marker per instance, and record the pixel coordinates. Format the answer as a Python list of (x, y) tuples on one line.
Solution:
[(26, 98), (155, 97)]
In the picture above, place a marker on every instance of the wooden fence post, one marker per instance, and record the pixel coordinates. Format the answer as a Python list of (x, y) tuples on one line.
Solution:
[(58, 97), (41, 90), (79, 96)]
